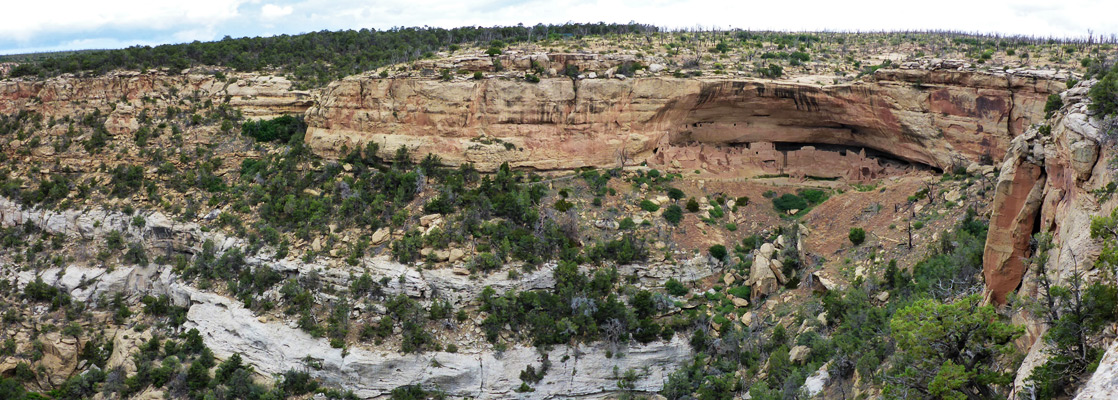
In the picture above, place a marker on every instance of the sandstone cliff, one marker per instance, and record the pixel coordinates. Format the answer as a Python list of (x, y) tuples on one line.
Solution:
[(1045, 186), (1049, 182), (938, 118), (254, 95)]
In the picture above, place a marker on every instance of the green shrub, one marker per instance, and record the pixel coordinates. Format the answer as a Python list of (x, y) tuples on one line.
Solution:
[(929, 352), (813, 196), (1052, 105), (718, 251), (478, 75), (716, 211), (571, 71), (675, 288), (740, 291), (280, 129), (626, 224), (675, 194), (673, 214), (297, 383), (415, 392), (649, 206), (485, 261), (625, 250), (772, 71), (857, 236), (406, 249), (562, 205), (788, 202), (1104, 94), (692, 205), (114, 240), (126, 180), (135, 255)]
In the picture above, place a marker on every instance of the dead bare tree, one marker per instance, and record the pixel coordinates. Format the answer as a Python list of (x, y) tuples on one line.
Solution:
[(622, 157)]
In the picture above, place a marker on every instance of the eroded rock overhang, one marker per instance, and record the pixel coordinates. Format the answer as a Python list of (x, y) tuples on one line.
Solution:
[(927, 118)]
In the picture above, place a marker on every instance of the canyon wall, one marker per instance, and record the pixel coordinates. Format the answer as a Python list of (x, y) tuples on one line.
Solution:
[(1045, 185), (939, 118), (934, 118), (1052, 180), (255, 96)]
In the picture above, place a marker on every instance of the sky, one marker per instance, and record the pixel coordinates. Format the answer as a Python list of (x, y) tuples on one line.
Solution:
[(54, 25)]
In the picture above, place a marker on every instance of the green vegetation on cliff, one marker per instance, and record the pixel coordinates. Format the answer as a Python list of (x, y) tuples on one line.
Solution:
[(316, 57)]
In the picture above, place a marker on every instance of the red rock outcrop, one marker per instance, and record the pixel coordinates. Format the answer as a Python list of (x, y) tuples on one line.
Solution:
[(938, 118), (1018, 196), (1070, 176), (1045, 185)]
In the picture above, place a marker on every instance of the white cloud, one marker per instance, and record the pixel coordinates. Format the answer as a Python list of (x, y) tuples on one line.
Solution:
[(201, 34), (60, 17), (272, 11)]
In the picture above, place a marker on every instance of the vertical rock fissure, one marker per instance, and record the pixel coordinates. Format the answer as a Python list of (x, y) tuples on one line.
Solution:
[(1009, 112), (1018, 196)]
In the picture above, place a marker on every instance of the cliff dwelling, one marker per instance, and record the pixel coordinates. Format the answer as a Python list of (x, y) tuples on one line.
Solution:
[(795, 160)]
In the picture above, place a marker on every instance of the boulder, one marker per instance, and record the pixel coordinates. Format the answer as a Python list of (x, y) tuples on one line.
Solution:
[(799, 354), (430, 220), (882, 297), (1084, 154), (761, 277), (456, 255), (818, 381), (607, 224), (380, 236), (823, 283), (767, 250), (777, 268)]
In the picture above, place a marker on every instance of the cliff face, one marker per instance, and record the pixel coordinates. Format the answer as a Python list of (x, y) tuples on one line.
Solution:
[(1048, 183), (938, 118), (255, 96), (1045, 186)]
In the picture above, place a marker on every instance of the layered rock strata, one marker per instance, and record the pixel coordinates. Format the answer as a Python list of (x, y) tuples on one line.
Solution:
[(938, 118), (254, 95)]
